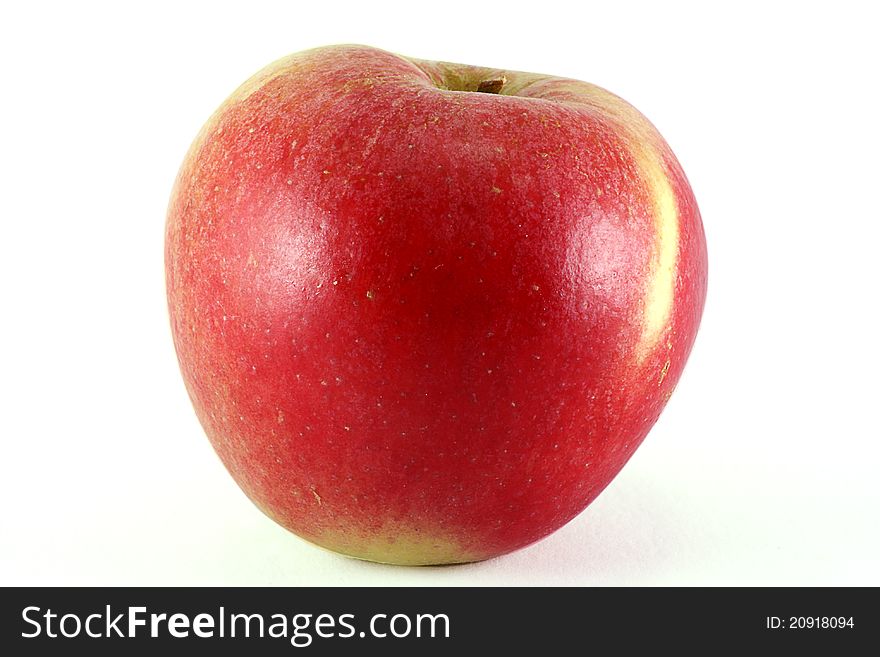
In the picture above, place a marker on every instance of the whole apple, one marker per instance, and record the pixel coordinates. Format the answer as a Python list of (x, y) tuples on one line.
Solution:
[(426, 311)]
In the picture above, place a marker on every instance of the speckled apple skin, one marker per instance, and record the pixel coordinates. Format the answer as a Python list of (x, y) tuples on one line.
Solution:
[(420, 323)]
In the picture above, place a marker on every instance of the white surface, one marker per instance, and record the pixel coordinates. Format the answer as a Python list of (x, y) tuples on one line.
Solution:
[(762, 470)]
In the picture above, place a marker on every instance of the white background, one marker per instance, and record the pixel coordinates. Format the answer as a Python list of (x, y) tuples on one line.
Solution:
[(763, 468)]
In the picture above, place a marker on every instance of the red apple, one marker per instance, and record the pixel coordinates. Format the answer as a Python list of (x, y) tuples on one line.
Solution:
[(426, 311)]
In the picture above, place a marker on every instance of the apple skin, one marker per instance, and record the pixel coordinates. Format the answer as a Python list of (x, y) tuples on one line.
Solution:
[(422, 323)]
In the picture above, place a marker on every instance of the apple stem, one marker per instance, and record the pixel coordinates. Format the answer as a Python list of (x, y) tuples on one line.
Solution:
[(492, 85)]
